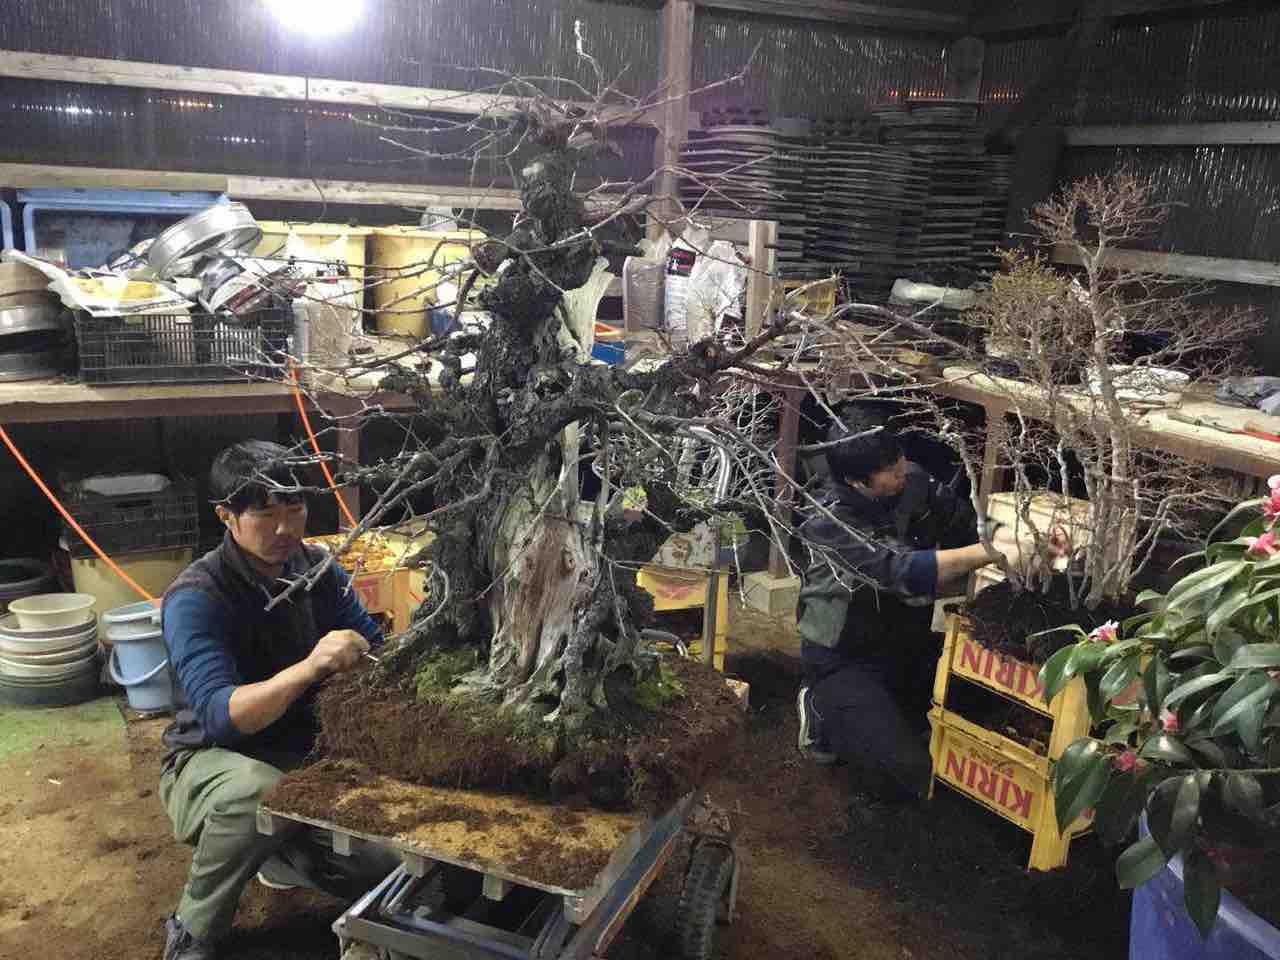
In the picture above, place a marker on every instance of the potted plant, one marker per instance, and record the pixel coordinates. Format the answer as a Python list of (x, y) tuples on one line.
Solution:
[(1185, 698)]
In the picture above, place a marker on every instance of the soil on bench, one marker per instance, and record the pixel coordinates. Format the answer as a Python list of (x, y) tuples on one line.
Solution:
[(1006, 620), (639, 760)]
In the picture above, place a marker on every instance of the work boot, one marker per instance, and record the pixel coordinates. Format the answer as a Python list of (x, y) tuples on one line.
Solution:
[(179, 944), (811, 743)]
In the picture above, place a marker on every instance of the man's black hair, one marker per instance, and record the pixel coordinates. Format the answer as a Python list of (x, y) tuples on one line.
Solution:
[(242, 475), (857, 459)]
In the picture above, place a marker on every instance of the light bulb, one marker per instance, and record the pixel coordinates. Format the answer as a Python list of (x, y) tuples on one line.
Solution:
[(316, 16)]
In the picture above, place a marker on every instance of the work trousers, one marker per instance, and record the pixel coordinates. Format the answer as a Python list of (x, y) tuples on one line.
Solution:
[(213, 803), (874, 717)]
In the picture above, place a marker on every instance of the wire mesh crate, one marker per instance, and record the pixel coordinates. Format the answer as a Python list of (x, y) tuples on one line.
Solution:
[(175, 348), (133, 522)]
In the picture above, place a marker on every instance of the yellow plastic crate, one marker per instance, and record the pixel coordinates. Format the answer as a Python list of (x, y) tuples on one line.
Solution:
[(819, 299), (1005, 777), (679, 589)]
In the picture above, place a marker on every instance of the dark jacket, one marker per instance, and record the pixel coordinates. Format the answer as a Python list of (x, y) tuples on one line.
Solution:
[(219, 635), (867, 598)]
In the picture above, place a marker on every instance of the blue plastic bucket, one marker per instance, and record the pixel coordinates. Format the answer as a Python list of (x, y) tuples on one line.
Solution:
[(1160, 928), (138, 661)]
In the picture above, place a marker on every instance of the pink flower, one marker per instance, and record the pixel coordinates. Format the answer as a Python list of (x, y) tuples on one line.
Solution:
[(1271, 506), (1273, 482), (1169, 721), (1263, 546), (1124, 762), (1107, 633)]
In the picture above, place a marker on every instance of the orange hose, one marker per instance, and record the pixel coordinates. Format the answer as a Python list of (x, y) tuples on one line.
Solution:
[(22, 462), (315, 445)]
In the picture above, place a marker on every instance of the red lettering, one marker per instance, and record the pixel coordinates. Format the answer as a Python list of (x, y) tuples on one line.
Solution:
[(970, 655), (954, 767), (1030, 677), (1021, 801), (987, 783), (1004, 676)]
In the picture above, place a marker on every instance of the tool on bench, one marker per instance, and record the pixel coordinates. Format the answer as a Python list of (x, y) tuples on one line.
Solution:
[(1248, 430)]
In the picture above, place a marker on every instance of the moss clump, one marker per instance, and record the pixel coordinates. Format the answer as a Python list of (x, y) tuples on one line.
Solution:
[(438, 673), (658, 689)]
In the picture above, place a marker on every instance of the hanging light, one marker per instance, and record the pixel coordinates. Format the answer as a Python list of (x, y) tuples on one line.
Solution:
[(316, 16)]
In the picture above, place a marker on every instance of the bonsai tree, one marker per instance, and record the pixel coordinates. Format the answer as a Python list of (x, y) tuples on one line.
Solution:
[(1187, 705)]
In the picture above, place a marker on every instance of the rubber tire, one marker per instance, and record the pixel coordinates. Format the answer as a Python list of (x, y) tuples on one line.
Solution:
[(704, 888)]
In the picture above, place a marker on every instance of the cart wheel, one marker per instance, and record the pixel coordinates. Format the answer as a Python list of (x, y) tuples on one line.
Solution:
[(704, 888)]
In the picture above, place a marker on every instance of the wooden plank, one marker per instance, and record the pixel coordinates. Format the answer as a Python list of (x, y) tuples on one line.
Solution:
[(844, 11), (1020, 15), (294, 189), (762, 235), (1259, 272), (239, 83), (1174, 135), (675, 72)]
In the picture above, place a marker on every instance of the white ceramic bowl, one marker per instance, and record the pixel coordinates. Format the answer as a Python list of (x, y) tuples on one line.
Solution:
[(47, 610), (17, 670), (78, 653), (11, 628), (24, 644)]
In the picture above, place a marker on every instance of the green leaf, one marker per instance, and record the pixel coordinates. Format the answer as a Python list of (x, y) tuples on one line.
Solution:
[(1118, 677), (1256, 656), (1181, 691), (1155, 684), (1166, 749), (1226, 644), (1117, 810), (1075, 628), (1086, 657), (1147, 596), (1197, 651), (1240, 508), (1250, 692), (1243, 794), (1249, 724), (1054, 675), (1093, 698), (1202, 893), (1115, 650), (1208, 750), (1081, 783), (1233, 599), (1173, 810), (1121, 732), (1139, 863), (1187, 558), (1200, 584)]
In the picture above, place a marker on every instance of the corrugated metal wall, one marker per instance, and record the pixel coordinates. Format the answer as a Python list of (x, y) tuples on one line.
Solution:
[(810, 69), (425, 42)]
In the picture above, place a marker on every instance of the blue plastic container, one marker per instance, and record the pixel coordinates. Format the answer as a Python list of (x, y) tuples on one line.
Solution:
[(611, 352), (93, 225), (6, 226), (139, 661), (1159, 928)]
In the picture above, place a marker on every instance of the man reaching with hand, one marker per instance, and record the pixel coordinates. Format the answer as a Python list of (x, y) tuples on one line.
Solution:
[(244, 679), (887, 539)]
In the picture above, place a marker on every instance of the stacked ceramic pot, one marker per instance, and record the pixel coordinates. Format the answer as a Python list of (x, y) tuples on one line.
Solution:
[(49, 650), (36, 333)]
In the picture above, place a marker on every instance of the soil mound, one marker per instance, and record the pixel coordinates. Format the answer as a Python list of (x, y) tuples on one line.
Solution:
[(1007, 621), (642, 759)]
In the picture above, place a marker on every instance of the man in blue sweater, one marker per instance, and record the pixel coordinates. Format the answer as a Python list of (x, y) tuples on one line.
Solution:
[(244, 680)]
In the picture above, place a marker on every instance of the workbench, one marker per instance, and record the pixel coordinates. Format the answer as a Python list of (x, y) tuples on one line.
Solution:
[(60, 401)]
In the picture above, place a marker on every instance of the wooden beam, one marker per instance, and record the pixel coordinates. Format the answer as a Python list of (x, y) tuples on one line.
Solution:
[(1258, 272), (261, 188), (1020, 15), (274, 86), (842, 11), (675, 64), (1174, 135)]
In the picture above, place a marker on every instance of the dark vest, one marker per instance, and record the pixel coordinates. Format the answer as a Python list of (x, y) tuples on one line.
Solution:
[(261, 642)]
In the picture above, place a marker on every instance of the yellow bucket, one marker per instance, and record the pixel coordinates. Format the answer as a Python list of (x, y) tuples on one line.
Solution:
[(318, 238), (404, 288)]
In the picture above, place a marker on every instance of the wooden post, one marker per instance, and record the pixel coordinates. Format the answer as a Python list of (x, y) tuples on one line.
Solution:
[(965, 57), (783, 496), (761, 237), (675, 72)]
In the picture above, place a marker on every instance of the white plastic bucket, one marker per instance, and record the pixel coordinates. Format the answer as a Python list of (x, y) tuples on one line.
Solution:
[(138, 660)]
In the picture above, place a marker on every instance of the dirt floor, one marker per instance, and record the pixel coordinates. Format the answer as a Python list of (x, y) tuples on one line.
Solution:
[(89, 869)]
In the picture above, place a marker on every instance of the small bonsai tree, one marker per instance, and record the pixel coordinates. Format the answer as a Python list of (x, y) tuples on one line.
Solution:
[(1187, 702)]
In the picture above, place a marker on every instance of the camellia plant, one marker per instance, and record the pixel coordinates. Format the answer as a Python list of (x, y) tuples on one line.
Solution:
[(1185, 699)]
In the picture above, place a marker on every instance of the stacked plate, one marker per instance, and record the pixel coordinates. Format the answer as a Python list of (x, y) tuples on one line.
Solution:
[(51, 666), (35, 332), (989, 233), (946, 135)]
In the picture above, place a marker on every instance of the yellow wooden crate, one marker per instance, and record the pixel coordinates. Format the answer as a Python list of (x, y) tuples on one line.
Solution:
[(681, 589), (1006, 778), (818, 298)]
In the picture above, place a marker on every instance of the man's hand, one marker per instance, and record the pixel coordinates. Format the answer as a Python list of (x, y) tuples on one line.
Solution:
[(337, 651)]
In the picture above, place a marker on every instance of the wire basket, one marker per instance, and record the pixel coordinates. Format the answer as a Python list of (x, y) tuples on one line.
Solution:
[(129, 523), (176, 348)]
